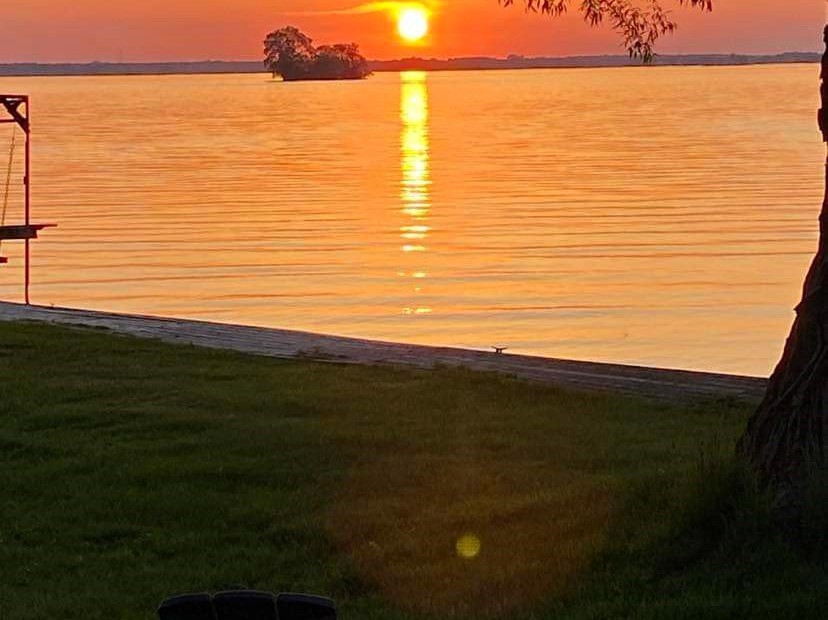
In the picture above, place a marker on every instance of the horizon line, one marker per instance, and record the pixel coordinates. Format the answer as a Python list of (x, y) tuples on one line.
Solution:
[(512, 57)]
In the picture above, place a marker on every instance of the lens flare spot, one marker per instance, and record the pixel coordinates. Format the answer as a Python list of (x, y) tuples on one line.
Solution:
[(468, 546)]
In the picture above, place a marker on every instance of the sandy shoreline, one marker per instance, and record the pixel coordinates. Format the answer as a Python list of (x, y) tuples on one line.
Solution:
[(661, 384)]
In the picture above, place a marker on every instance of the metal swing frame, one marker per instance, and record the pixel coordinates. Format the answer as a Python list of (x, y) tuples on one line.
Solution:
[(16, 109)]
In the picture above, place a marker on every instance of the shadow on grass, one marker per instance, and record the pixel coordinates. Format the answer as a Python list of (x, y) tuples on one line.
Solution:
[(702, 546)]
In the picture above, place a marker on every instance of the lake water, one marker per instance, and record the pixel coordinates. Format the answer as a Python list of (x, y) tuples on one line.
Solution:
[(658, 216)]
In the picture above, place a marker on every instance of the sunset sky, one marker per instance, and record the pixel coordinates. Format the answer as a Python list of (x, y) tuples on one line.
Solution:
[(158, 30)]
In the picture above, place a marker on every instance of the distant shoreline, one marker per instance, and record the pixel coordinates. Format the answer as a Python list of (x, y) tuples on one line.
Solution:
[(405, 64)]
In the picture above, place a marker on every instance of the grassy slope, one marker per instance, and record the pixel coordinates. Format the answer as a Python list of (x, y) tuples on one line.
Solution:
[(131, 470)]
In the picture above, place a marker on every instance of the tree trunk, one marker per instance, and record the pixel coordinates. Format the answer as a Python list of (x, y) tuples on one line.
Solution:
[(786, 437), (787, 434)]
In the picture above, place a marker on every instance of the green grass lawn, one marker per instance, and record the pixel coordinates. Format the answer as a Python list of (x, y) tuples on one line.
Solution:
[(132, 470)]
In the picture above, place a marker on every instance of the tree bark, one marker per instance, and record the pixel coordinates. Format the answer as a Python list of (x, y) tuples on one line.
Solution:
[(786, 436)]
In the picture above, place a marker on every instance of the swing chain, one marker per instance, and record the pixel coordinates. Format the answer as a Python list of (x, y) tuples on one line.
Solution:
[(8, 180), (8, 177)]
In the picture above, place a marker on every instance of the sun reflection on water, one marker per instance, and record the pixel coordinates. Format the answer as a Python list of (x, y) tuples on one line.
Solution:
[(416, 180)]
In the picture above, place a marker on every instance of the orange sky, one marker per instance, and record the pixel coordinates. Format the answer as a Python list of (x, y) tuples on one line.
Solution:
[(155, 30)]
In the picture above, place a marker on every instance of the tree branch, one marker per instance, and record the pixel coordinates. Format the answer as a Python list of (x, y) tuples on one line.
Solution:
[(640, 24)]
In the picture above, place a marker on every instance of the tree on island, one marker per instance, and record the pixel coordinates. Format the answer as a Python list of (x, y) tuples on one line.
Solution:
[(291, 54), (786, 440)]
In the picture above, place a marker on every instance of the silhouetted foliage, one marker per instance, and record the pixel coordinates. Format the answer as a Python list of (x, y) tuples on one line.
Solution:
[(640, 24), (340, 61), (291, 54)]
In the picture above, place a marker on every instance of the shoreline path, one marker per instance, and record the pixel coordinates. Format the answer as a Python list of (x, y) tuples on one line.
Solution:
[(653, 383)]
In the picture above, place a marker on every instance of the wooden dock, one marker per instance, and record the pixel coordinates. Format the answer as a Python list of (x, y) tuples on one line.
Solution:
[(660, 384)]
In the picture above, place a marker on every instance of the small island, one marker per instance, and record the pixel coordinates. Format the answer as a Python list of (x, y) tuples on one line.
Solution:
[(291, 54)]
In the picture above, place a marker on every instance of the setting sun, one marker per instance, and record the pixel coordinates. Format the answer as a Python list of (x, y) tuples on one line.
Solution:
[(412, 23)]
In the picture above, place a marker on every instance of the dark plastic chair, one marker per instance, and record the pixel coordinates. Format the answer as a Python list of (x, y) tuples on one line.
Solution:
[(187, 607), (305, 607), (245, 605)]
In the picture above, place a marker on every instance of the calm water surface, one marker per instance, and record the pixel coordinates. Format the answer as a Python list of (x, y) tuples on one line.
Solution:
[(660, 216)]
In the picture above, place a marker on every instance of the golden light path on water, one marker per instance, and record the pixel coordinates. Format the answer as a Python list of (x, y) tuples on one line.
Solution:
[(415, 183), (662, 216)]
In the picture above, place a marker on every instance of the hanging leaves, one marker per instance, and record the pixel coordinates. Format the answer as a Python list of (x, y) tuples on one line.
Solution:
[(640, 24)]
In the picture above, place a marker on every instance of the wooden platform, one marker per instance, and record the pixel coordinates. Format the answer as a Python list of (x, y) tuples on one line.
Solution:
[(665, 385), (22, 232)]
